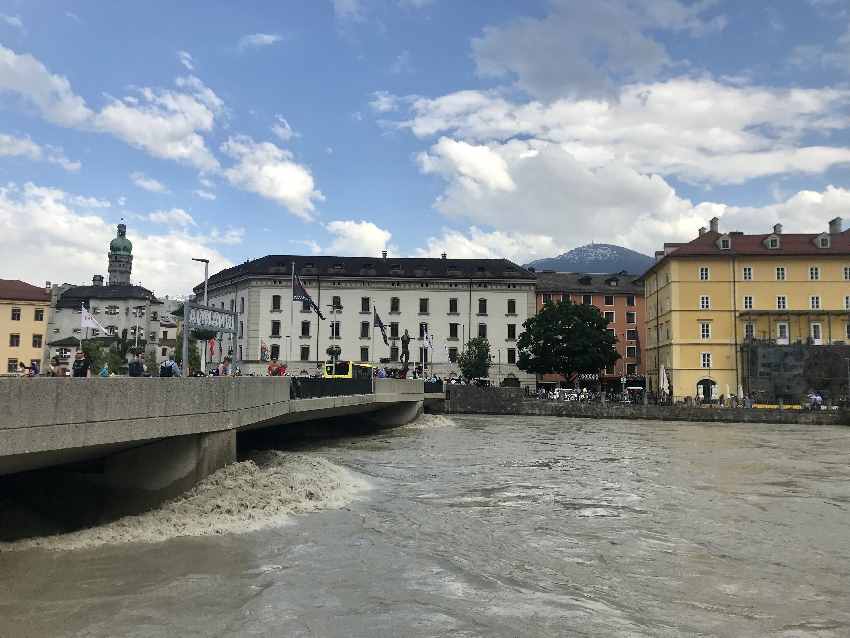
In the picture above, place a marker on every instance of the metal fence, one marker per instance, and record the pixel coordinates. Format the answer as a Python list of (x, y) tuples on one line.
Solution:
[(307, 388)]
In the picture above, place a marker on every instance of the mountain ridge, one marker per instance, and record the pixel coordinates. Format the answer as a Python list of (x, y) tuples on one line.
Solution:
[(596, 258)]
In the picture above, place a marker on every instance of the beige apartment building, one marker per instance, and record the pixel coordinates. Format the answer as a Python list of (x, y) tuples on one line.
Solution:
[(23, 324)]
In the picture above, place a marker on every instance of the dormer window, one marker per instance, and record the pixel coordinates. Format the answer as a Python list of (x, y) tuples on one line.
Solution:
[(337, 267), (772, 242), (724, 243), (822, 241), (613, 282)]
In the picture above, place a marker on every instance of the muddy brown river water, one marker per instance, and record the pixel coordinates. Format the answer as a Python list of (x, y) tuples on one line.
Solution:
[(472, 526)]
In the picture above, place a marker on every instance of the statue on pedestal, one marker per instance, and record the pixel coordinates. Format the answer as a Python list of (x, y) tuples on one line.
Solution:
[(405, 347)]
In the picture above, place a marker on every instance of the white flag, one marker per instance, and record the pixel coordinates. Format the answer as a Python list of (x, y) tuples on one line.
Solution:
[(88, 321)]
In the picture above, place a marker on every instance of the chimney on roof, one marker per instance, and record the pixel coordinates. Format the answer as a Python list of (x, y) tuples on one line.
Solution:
[(383, 254), (835, 226), (777, 229), (659, 255), (714, 222), (702, 231), (442, 255), (97, 280)]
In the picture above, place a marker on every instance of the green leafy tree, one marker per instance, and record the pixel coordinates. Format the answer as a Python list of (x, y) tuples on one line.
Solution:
[(566, 338), (194, 353), (474, 361)]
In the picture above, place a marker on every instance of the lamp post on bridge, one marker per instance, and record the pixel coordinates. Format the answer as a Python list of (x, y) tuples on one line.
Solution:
[(206, 263)]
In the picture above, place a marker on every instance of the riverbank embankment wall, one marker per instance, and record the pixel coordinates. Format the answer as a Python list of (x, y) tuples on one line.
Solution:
[(513, 401)]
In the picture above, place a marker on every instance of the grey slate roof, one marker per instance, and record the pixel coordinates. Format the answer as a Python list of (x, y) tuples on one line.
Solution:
[(307, 266), (73, 297), (586, 283)]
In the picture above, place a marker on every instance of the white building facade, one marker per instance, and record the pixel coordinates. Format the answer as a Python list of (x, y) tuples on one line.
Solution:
[(449, 300)]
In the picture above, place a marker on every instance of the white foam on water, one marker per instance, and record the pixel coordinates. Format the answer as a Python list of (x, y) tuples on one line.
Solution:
[(431, 422), (262, 492)]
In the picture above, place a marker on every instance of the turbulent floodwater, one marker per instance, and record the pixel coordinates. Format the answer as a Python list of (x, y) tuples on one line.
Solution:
[(472, 526)]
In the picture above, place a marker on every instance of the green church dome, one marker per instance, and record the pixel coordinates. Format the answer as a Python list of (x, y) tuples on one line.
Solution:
[(121, 245)]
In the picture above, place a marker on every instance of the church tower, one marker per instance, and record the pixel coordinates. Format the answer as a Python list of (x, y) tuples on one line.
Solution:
[(120, 258)]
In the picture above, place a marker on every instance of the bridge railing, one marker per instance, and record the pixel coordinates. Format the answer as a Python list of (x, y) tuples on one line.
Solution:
[(433, 387), (307, 388)]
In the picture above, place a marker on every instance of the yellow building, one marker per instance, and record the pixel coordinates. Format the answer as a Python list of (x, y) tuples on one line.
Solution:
[(23, 324), (707, 297)]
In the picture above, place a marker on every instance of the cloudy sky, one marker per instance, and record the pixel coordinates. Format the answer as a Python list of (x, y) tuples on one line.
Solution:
[(480, 128)]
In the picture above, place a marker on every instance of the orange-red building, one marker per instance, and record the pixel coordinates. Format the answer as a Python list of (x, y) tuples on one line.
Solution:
[(619, 298)]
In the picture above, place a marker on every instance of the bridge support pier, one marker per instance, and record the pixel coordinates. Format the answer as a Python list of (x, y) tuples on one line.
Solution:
[(397, 414), (152, 473)]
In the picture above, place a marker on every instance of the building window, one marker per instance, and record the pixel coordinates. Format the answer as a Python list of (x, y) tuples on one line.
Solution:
[(773, 242), (305, 306), (748, 302), (846, 273), (631, 352), (780, 273), (241, 305), (395, 304), (423, 356), (704, 302), (748, 273), (482, 330), (16, 314), (816, 333), (703, 273), (364, 330), (512, 355), (453, 330), (482, 306), (393, 353), (814, 302), (814, 273), (111, 310), (781, 302), (749, 330), (511, 306), (335, 332), (705, 359), (631, 369), (847, 331), (631, 317), (511, 331), (39, 314), (824, 242), (453, 355), (630, 300), (305, 353), (305, 328), (232, 305), (240, 353), (547, 298), (11, 366), (587, 300), (164, 352), (275, 302), (336, 302), (423, 306), (365, 304), (364, 354), (609, 300), (275, 351), (394, 330), (36, 341), (14, 340), (782, 332), (452, 306), (705, 330), (631, 334), (725, 244), (847, 303), (275, 328), (164, 335)]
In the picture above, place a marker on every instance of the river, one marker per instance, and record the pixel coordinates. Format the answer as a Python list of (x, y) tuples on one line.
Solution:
[(472, 526)]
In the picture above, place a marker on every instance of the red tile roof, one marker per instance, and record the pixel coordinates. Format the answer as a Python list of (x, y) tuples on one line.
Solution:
[(22, 291)]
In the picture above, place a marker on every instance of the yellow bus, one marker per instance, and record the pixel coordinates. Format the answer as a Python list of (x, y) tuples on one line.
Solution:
[(347, 370)]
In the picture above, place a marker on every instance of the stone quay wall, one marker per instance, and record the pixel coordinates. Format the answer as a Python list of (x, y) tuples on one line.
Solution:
[(512, 401)]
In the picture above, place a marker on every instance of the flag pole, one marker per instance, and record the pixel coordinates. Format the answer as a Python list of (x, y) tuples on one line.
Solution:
[(291, 316)]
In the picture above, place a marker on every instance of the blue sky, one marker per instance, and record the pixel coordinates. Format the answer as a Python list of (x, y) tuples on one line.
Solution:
[(493, 128)]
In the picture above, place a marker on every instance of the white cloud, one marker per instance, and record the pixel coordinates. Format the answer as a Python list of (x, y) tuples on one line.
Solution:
[(13, 21), (357, 238), (271, 172), (11, 146), (74, 17), (312, 247), (172, 217), (257, 40), (478, 244), (415, 4), (82, 201), (282, 129), (477, 168), (585, 48), (50, 94), (147, 183), (206, 182), (166, 124), (63, 241), (204, 194), (384, 102), (348, 9), (186, 60)]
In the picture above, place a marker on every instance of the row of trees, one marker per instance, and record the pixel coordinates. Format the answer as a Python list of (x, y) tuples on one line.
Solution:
[(563, 338)]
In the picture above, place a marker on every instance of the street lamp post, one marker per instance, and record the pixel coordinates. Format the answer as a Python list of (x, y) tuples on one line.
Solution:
[(206, 263)]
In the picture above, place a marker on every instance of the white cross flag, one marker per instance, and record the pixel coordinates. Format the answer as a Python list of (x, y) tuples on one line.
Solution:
[(88, 321)]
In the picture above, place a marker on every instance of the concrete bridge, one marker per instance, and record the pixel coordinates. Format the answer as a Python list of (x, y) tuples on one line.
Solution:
[(164, 435)]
